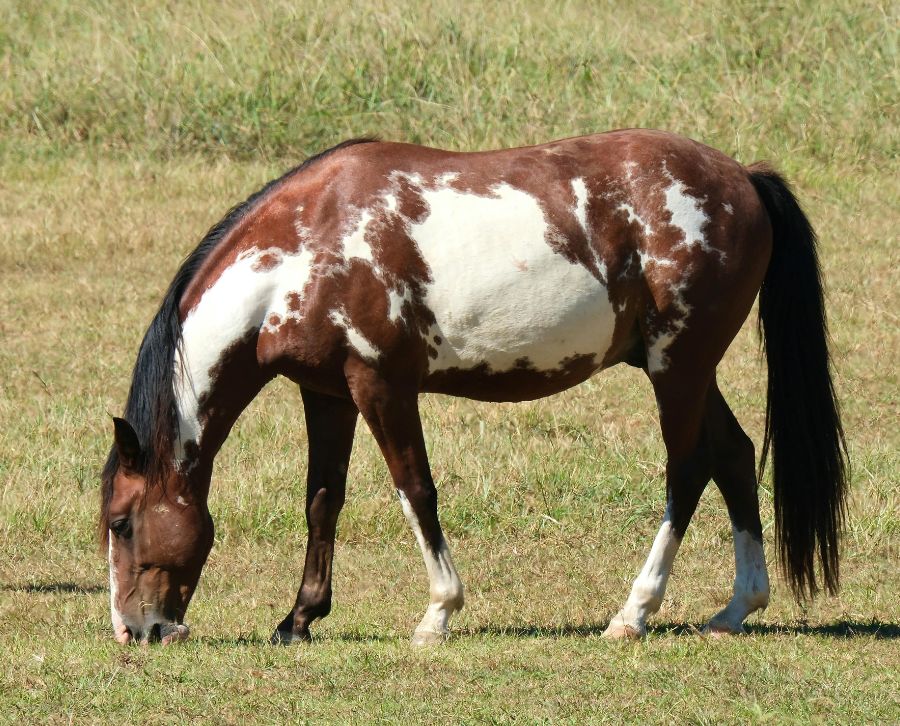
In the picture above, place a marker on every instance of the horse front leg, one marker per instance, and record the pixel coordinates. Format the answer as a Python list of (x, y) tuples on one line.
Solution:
[(330, 424), (392, 414)]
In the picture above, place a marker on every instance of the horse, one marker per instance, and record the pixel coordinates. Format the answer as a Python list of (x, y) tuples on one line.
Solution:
[(375, 271)]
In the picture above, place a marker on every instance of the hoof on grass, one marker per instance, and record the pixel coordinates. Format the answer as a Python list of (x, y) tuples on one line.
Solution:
[(618, 630), (714, 629), (286, 637), (428, 638)]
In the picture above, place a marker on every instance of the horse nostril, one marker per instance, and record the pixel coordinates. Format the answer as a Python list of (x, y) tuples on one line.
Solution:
[(155, 633)]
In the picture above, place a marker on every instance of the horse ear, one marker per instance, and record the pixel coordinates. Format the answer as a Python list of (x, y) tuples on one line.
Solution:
[(128, 445)]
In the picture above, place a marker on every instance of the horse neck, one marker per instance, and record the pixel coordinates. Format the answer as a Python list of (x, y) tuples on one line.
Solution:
[(217, 375)]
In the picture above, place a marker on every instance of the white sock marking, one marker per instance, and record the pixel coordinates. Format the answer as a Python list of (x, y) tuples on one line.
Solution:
[(751, 582), (650, 585), (445, 588)]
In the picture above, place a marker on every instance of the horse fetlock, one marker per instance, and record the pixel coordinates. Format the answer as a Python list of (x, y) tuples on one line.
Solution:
[(449, 596), (757, 600)]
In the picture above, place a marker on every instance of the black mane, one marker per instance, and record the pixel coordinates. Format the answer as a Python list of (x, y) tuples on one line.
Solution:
[(151, 406)]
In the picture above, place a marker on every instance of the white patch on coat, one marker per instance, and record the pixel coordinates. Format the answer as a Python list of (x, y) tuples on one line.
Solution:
[(634, 217), (242, 300), (687, 215), (390, 202), (355, 339), (657, 360), (355, 243), (499, 292), (751, 583), (658, 344), (650, 585), (444, 585), (648, 260), (447, 178), (728, 208), (581, 202), (396, 300)]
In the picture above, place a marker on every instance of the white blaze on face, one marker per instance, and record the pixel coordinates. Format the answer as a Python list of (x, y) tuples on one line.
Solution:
[(650, 586), (117, 622), (499, 292), (445, 588), (259, 284)]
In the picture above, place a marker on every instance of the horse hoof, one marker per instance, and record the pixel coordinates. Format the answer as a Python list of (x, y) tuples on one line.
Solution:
[(622, 631), (715, 629), (286, 637), (428, 638)]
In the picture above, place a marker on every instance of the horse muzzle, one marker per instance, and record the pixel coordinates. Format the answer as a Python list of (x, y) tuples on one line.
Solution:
[(165, 633)]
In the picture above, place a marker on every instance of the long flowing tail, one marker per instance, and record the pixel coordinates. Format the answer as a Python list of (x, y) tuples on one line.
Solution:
[(803, 423)]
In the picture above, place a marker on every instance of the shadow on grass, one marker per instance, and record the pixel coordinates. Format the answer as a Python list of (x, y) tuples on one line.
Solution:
[(839, 629), (239, 641), (54, 587)]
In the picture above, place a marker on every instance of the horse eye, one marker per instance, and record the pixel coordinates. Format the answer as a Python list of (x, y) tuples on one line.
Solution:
[(121, 527)]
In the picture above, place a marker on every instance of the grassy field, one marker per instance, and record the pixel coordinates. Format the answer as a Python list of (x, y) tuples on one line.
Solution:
[(127, 129)]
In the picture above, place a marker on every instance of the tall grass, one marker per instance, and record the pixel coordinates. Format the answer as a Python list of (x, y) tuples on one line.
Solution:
[(282, 79)]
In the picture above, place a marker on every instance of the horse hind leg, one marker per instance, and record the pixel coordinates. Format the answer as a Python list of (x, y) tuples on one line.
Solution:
[(735, 475), (681, 399)]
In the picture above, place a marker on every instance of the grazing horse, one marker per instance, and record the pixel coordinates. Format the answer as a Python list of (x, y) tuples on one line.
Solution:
[(376, 271)]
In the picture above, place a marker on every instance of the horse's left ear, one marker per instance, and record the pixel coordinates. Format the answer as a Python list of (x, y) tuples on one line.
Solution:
[(128, 445)]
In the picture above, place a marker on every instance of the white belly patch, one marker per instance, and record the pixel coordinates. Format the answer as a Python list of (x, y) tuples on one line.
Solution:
[(499, 292)]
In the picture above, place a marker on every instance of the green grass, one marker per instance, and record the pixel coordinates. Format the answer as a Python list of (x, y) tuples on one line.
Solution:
[(127, 129)]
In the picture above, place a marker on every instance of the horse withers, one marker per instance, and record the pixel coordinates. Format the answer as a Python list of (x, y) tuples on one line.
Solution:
[(376, 271)]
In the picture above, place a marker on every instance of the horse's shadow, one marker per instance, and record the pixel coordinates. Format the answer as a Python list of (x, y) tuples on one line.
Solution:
[(839, 629)]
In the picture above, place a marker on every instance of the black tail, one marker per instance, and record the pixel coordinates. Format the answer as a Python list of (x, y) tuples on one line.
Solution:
[(803, 423)]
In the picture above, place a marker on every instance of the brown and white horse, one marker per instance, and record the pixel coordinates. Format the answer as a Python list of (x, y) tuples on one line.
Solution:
[(377, 271)]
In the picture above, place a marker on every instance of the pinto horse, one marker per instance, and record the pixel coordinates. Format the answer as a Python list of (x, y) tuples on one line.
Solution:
[(376, 271)]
